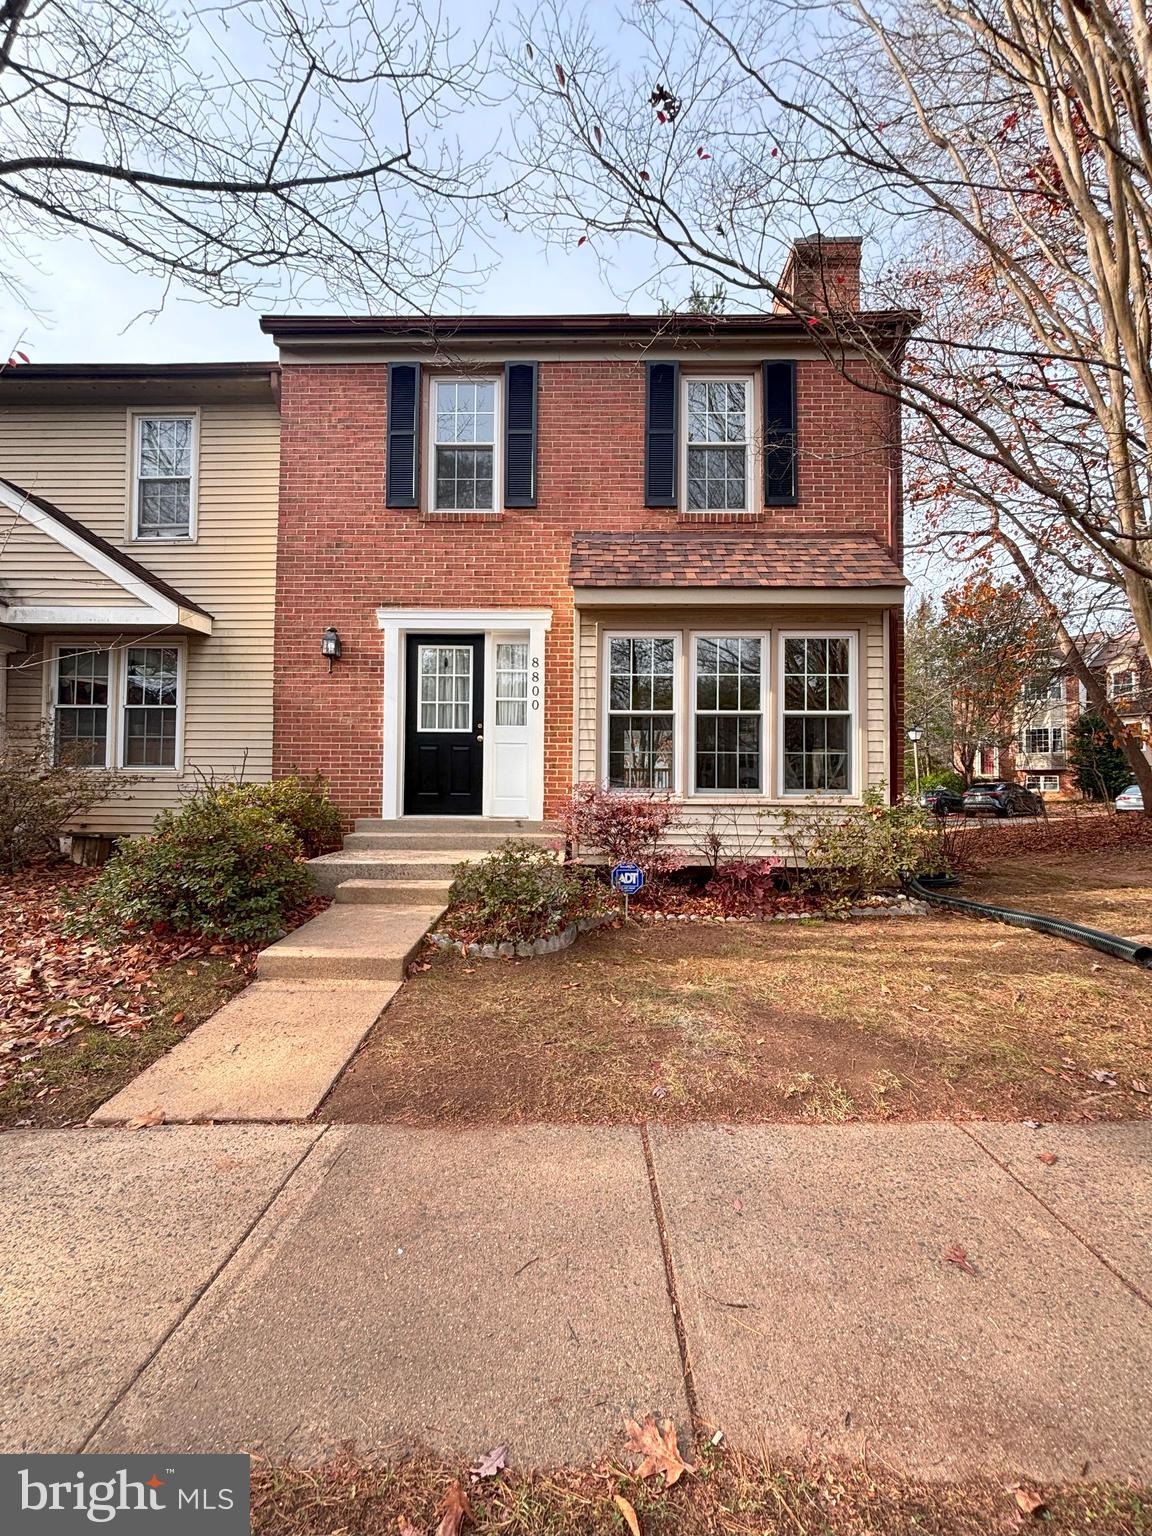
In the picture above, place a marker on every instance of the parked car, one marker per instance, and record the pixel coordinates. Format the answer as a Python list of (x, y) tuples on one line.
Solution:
[(1002, 798), (941, 801), (1130, 799)]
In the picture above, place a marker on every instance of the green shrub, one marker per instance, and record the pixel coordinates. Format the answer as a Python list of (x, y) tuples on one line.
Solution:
[(521, 892), (303, 804), (849, 851), (943, 778), (217, 868)]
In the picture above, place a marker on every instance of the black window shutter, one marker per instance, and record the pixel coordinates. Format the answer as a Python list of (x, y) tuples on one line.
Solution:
[(402, 469), (520, 434), (779, 434), (660, 446)]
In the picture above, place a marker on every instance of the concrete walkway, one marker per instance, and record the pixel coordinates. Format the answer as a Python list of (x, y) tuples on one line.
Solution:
[(290, 1288)]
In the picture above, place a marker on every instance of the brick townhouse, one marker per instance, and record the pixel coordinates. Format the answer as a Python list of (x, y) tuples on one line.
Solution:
[(658, 552)]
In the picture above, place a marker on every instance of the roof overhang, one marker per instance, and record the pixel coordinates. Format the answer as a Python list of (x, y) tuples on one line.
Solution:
[(146, 606), (738, 597)]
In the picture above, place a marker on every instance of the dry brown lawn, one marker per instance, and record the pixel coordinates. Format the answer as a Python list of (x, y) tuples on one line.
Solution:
[(727, 1495), (916, 1018)]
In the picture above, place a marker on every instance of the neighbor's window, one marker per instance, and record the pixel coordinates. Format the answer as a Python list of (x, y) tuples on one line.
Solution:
[(1123, 684), (511, 682), (817, 714), (1041, 689), (463, 445), (1037, 739), (641, 712), (151, 701), (717, 419), (728, 711), (80, 707), (163, 498)]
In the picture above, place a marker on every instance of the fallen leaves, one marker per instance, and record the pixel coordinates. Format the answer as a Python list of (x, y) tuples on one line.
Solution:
[(1048, 1158), (1029, 1501), (958, 1256), (656, 1446), (628, 1512), (456, 1508), (143, 1122), (490, 1465)]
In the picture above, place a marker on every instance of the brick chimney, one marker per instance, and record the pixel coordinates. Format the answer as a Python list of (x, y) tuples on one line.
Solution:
[(822, 273)]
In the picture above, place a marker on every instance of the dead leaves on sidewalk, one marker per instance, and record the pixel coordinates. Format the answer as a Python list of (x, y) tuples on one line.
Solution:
[(657, 1448)]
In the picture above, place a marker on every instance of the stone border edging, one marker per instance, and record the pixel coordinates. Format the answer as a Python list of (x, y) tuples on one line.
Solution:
[(523, 949)]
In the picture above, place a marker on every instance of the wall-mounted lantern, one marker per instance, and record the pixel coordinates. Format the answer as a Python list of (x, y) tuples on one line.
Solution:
[(330, 645)]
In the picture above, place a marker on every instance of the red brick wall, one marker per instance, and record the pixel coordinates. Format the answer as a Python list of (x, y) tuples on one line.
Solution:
[(342, 552)]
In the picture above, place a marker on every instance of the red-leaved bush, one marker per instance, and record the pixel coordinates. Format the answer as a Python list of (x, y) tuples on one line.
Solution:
[(625, 828), (744, 885)]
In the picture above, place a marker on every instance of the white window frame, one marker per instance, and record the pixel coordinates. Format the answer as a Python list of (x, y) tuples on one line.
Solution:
[(1036, 730), (136, 416), (117, 697), (752, 496), (1034, 781), (51, 688), (765, 639), (855, 715), (676, 788), (430, 444), (1115, 691), (121, 668)]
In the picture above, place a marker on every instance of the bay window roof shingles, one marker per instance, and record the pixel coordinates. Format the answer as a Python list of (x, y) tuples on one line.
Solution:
[(715, 559)]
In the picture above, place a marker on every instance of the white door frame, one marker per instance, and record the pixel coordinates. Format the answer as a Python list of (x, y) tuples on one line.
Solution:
[(396, 624)]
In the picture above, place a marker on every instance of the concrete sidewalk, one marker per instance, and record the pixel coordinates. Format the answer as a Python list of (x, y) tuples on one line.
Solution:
[(290, 1288)]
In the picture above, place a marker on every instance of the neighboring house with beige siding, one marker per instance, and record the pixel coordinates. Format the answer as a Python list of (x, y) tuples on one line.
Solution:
[(138, 513)]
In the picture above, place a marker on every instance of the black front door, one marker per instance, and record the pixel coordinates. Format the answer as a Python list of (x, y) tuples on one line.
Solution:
[(444, 726)]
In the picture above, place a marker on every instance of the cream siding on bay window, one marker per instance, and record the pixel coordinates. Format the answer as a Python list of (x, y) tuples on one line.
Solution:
[(736, 809), (80, 459)]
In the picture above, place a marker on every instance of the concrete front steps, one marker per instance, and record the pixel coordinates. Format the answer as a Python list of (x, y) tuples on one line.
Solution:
[(392, 862)]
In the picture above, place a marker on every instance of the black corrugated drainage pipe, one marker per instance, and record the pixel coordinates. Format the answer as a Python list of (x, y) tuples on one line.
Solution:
[(1107, 943)]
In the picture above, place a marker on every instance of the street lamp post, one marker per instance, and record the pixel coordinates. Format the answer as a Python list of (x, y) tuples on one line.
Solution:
[(915, 736)]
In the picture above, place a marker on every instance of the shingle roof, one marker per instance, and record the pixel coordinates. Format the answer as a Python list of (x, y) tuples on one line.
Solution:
[(125, 562), (690, 559)]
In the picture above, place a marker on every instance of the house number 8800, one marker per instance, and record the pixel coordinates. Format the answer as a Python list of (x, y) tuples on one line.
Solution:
[(535, 681)]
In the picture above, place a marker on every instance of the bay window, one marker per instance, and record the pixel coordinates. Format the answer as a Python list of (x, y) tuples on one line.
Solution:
[(817, 714), (641, 712), (717, 416), (728, 678), (464, 433)]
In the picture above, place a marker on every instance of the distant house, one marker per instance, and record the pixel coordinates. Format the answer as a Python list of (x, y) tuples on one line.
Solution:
[(1052, 702)]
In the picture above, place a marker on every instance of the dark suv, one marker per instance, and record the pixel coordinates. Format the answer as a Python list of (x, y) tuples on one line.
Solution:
[(998, 797), (941, 801)]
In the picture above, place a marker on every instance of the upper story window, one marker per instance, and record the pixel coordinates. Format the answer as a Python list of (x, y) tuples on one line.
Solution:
[(464, 425), (1122, 685), (1038, 690), (164, 476), (1041, 739), (717, 437)]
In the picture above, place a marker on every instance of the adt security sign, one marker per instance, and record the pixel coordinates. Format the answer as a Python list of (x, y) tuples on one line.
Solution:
[(628, 879)]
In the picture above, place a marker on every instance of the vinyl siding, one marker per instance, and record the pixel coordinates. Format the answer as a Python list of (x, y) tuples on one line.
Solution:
[(80, 460), (36, 570), (749, 823)]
